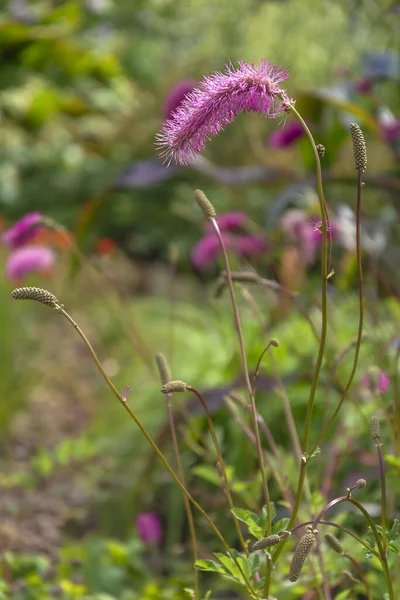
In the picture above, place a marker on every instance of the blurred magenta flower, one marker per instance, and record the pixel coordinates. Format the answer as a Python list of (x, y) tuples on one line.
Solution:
[(23, 261), (215, 103), (247, 245), (282, 138), (23, 231), (306, 233), (363, 86), (149, 527), (176, 96), (382, 381), (229, 221), (391, 130)]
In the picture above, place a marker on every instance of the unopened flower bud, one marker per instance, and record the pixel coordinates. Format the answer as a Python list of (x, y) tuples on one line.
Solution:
[(300, 554), (205, 205), (320, 150), (173, 386), (375, 428), (361, 483), (163, 368), (359, 147), (34, 293), (270, 540), (334, 543)]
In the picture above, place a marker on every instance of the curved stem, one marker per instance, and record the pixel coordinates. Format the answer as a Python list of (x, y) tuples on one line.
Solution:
[(383, 493), (222, 465), (156, 449)]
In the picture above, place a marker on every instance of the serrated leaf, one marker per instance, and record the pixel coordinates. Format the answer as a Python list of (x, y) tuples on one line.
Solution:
[(246, 516), (394, 532), (393, 548), (263, 519), (210, 565), (280, 525)]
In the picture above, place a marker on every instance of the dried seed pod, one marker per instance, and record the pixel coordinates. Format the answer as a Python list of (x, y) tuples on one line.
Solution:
[(270, 540), (375, 428), (173, 386), (34, 293), (163, 368), (359, 147), (205, 205), (334, 543), (300, 554)]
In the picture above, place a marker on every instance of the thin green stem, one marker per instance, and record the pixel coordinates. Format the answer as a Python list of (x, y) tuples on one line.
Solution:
[(156, 449), (383, 494), (189, 514), (359, 570), (361, 317), (222, 466), (250, 393)]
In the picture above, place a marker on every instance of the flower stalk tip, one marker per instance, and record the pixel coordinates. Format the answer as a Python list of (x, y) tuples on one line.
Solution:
[(205, 205), (163, 368), (334, 543), (303, 549)]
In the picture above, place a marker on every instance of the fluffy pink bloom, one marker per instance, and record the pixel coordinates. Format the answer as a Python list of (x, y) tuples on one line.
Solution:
[(23, 231), (282, 138), (28, 258), (229, 221), (307, 233), (382, 383), (176, 96), (250, 245), (149, 527), (211, 106)]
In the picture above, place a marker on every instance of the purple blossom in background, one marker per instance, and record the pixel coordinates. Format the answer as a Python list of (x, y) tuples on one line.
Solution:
[(23, 231), (216, 101), (207, 249), (149, 527), (282, 138), (176, 96), (391, 130), (229, 221), (383, 382), (250, 245), (28, 258), (307, 233)]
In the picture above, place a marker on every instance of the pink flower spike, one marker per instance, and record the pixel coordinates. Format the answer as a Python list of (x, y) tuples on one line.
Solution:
[(23, 231), (215, 103), (383, 382), (149, 527), (282, 138), (24, 260), (229, 221), (176, 96)]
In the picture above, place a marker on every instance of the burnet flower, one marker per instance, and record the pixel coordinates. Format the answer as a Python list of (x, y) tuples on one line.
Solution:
[(23, 230), (215, 103), (23, 261)]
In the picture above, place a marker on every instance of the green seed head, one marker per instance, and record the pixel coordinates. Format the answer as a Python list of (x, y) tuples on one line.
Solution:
[(173, 386), (205, 205), (163, 368), (375, 428), (34, 293), (361, 483), (300, 554), (270, 540), (334, 543), (359, 147)]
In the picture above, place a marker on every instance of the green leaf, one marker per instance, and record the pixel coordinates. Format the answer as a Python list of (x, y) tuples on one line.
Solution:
[(280, 525), (263, 518), (393, 548), (251, 520), (210, 565), (394, 532)]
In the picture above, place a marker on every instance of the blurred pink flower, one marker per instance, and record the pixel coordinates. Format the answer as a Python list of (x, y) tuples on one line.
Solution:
[(391, 130), (176, 96), (307, 233), (363, 86), (149, 527), (29, 258), (282, 138), (229, 221), (215, 103), (207, 248), (383, 382), (23, 230)]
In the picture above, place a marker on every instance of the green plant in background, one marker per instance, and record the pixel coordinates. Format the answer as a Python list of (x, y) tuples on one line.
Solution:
[(260, 567)]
